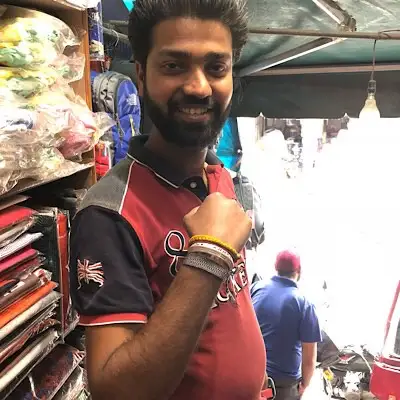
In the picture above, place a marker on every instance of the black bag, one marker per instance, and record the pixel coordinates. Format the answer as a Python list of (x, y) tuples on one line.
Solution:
[(251, 202)]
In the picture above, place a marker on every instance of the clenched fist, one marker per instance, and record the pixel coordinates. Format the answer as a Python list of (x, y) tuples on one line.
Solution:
[(221, 218)]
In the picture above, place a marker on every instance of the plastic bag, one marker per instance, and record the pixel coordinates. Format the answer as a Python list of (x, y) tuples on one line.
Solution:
[(22, 127), (73, 386), (30, 38), (26, 82), (48, 377), (33, 162), (27, 357), (70, 68), (53, 169), (17, 158), (85, 131), (82, 128), (6, 184)]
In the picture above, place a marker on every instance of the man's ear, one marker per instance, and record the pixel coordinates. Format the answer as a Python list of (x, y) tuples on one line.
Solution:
[(140, 78)]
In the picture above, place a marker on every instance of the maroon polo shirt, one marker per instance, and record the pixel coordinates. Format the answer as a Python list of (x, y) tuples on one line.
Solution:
[(127, 244)]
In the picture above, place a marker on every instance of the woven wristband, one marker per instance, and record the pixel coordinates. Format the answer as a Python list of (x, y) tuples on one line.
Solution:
[(200, 261)]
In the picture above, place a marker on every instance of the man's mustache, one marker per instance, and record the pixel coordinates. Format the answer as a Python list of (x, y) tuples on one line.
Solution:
[(187, 101)]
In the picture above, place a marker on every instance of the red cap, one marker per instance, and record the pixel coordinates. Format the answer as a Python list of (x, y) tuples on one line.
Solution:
[(287, 261)]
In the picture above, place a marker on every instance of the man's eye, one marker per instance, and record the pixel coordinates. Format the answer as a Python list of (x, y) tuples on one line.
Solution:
[(173, 66), (217, 68)]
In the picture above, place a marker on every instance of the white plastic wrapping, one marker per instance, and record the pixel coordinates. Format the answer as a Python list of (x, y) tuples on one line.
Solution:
[(26, 82), (42, 122), (31, 39)]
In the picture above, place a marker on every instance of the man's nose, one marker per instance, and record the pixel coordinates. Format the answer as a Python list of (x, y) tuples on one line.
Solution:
[(198, 85)]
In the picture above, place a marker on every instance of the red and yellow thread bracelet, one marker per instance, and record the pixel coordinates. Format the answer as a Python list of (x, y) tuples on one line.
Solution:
[(211, 239)]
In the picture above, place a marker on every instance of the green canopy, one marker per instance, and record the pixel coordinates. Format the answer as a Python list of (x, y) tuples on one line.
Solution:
[(317, 94)]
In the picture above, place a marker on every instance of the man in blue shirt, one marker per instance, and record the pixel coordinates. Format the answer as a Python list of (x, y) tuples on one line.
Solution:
[(289, 326)]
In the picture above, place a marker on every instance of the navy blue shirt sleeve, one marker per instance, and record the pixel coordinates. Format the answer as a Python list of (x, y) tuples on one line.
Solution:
[(107, 276), (310, 331)]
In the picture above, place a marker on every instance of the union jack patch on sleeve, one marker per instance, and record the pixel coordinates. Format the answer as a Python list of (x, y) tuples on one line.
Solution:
[(88, 272)]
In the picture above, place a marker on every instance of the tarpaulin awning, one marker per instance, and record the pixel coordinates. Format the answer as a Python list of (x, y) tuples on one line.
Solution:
[(317, 93)]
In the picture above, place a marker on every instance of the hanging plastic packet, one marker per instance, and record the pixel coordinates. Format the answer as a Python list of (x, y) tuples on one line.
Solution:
[(85, 131), (83, 128), (22, 127), (27, 82), (31, 39)]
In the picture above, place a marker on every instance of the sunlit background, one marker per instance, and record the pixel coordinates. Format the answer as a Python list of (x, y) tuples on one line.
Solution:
[(343, 217)]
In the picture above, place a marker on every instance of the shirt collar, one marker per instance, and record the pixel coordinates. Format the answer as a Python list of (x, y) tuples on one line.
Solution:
[(285, 281), (173, 176)]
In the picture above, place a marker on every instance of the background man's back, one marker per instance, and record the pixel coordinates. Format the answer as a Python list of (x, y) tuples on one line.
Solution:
[(289, 326)]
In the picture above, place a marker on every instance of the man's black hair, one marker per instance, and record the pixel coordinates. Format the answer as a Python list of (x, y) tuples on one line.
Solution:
[(148, 13), (287, 274)]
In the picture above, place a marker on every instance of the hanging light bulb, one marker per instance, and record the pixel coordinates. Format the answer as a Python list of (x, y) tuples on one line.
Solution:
[(370, 112)]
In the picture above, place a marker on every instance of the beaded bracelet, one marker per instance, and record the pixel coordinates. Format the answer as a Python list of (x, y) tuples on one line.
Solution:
[(216, 241)]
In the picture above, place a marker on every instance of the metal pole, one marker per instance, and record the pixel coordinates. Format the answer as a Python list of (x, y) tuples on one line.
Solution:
[(118, 23), (327, 70), (119, 36), (386, 35), (297, 52)]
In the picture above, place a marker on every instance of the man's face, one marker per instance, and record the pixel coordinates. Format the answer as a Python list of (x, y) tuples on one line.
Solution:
[(187, 83)]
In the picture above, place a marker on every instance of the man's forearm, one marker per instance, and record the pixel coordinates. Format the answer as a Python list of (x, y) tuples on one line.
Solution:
[(151, 365), (308, 369)]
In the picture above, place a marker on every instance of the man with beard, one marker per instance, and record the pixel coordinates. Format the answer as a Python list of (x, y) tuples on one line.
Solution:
[(156, 273)]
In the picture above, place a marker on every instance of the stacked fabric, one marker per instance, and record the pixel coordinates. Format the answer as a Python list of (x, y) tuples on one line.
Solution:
[(44, 126), (53, 224), (29, 325), (58, 376)]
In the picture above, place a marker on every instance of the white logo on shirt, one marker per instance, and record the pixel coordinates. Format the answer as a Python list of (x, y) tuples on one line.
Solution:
[(90, 273)]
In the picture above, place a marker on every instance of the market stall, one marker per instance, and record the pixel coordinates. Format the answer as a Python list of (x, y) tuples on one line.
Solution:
[(304, 59), (47, 138)]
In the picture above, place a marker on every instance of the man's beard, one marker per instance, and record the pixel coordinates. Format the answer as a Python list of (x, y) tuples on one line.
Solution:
[(187, 134)]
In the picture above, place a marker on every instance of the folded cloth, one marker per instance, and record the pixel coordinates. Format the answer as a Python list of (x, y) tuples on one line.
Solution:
[(45, 382), (18, 308), (22, 270), (15, 289), (30, 329), (8, 235), (20, 243), (50, 300), (25, 359), (17, 259), (14, 215)]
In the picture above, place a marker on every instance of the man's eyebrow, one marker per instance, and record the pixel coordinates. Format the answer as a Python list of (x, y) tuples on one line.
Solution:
[(180, 54)]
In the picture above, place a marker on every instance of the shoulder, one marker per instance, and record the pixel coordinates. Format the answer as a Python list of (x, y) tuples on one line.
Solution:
[(260, 286), (109, 193), (105, 224)]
